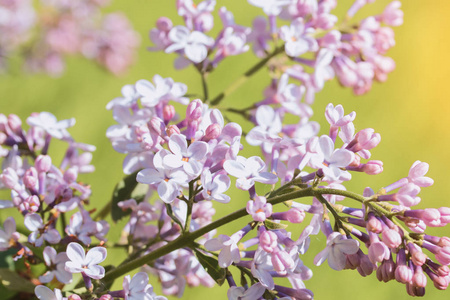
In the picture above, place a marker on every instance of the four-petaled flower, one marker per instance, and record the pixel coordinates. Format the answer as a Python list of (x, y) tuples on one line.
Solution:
[(87, 264), (336, 250)]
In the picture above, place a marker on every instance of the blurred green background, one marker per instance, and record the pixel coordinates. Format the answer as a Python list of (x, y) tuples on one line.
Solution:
[(410, 111)]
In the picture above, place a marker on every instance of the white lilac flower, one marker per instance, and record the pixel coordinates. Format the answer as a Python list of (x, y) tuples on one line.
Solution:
[(44, 293), (8, 236), (168, 181), (335, 160), (188, 157), (40, 233), (297, 40), (261, 268), (85, 263), (248, 171), (336, 250), (229, 251), (138, 288), (270, 7), (259, 209), (55, 262), (239, 292), (162, 89), (215, 186), (130, 97), (195, 44), (50, 124)]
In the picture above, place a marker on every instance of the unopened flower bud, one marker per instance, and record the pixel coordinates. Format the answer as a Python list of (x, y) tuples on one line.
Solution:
[(76, 297), (194, 110), (268, 241), (391, 238), (431, 217), (164, 24), (213, 131), (157, 125), (386, 271), (14, 123), (374, 225), (403, 274), (373, 167), (168, 113), (172, 129), (445, 215), (43, 163)]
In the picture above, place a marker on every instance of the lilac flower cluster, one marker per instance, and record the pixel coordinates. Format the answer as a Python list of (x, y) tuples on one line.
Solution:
[(47, 31), (354, 53)]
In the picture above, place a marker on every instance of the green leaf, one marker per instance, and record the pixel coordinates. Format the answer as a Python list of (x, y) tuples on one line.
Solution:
[(211, 266), (274, 225), (172, 216), (122, 191), (14, 282)]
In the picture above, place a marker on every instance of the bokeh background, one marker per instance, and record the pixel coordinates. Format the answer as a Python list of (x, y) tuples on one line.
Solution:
[(410, 111)]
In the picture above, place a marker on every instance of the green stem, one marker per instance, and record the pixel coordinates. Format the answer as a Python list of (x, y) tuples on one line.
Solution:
[(241, 80), (187, 238), (205, 87)]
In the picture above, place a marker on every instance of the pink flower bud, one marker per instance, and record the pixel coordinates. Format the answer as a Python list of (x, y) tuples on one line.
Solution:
[(374, 225), (168, 113), (445, 215), (76, 297), (268, 241), (194, 110), (391, 238), (366, 267), (373, 167), (30, 178), (444, 241), (157, 125), (43, 163), (295, 215), (419, 279), (172, 129), (443, 255), (403, 274), (392, 14), (378, 252), (417, 256), (164, 24), (386, 271), (213, 131), (431, 217), (368, 139), (281, 260), (14, 123), (441, 283), (353, 261), (106, 297)]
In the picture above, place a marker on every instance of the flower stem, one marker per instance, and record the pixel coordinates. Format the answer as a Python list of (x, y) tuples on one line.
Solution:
[(189, 237), (241, 80)]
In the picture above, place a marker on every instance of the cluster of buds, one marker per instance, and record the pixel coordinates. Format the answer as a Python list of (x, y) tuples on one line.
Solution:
[(48, 31)]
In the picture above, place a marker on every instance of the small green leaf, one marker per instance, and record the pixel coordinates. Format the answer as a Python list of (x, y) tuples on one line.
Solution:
[(14, 282), (211, 266), (274, 225), (172, 216), (122, 191)]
